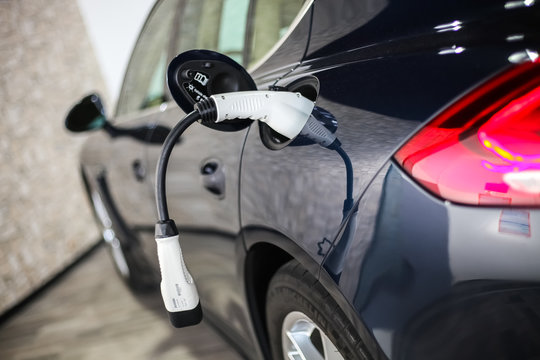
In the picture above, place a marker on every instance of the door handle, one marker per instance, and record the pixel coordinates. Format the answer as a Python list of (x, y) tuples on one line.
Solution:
[(213, 177), (139, 170)]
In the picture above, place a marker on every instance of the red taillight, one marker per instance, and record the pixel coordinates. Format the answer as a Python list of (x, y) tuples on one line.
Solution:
[(485, 148)]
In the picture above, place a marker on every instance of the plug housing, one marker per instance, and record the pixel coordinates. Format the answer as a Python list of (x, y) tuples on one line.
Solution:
[(285, 112), (178, 289)]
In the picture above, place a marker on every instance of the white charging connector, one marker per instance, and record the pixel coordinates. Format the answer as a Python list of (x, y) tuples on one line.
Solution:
[(285, 112), (178, 290), (177, 286)]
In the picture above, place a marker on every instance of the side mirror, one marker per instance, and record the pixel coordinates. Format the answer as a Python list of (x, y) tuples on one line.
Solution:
[(87, 114), (197, 74)]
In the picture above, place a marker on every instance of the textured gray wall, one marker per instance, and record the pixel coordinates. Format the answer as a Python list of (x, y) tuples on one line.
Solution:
[(46, 64)]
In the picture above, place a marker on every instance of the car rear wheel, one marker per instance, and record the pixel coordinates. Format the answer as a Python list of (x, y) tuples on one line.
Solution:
[(304, 322)]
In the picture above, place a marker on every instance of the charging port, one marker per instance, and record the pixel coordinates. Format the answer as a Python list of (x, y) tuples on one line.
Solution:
[(308, 86)]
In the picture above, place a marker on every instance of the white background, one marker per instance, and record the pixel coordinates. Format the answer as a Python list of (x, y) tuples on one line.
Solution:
[(113, 27)]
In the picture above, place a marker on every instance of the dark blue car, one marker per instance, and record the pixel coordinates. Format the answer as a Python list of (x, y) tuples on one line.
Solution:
[(418, 240)]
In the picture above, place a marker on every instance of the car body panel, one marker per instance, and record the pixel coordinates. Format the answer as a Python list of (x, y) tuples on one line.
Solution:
[(406, 269), (398, 72), (376, 92), (127, 171)]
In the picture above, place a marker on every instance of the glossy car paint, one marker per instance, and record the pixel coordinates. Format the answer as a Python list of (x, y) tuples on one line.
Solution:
[(420, 278), (420, 248)]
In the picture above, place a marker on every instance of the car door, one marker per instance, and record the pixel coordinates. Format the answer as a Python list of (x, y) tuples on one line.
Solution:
[(203, 172)]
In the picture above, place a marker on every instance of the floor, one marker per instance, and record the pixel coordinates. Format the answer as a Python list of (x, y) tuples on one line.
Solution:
[(90, 314)]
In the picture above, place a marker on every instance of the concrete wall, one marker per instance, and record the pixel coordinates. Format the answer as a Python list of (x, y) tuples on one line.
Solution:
[(46, 64)]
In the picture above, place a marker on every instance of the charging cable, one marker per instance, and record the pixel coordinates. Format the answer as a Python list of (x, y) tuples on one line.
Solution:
[(285, 112)]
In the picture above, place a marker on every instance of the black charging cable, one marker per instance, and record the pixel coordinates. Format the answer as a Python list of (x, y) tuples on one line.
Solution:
[(161, 170), (205, 112), (286, 113), (349, 200)]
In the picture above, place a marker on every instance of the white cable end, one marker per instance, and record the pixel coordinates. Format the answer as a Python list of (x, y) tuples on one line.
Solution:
[(177, 286)]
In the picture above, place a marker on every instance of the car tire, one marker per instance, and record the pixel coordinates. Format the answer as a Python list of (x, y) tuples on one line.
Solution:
[(132, 267), (129, 261), (304, 320)]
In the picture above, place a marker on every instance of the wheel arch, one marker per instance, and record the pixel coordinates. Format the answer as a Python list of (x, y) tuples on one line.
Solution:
[(266, 251)]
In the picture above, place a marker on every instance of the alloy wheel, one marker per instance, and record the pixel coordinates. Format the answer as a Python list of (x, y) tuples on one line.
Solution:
[(302, 339)]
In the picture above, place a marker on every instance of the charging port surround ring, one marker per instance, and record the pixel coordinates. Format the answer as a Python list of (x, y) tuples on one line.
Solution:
[(308, 86)]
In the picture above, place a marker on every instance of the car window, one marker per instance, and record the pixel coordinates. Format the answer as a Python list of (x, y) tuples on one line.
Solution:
[(218, 25), (269, 23), (174, 27), (144, 83)]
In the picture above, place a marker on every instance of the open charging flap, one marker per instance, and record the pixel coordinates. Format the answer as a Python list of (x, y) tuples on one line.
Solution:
[(197, 74)]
